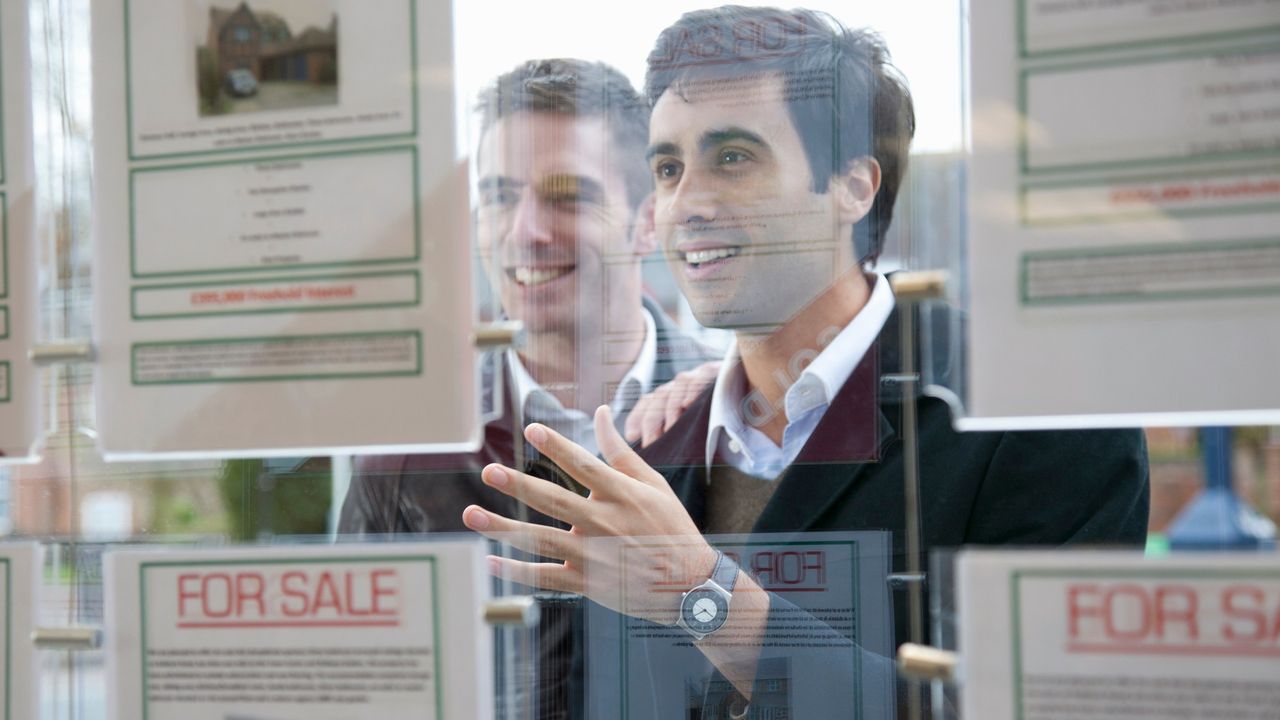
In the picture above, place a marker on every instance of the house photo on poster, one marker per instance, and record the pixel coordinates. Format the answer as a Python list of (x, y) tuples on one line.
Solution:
[(266, 55), (217, 76)]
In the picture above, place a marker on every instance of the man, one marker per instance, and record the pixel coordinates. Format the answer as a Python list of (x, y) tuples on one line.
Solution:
[(778, 141), (561, 231), (562, 228)]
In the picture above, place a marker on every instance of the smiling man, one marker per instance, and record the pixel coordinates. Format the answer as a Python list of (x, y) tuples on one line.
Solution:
[(563, 221), (557, 230), (562, 224), (778, 141), (560, 193)]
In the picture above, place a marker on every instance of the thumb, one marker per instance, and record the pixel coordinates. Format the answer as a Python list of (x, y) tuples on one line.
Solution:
[(618, 454)]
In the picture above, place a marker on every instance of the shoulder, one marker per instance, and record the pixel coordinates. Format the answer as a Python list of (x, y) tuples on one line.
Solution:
[(1069, 486), (684, 444)]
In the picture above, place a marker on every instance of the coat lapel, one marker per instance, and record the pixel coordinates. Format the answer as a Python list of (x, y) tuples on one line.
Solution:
[(680, 455), (854, 434), (851, 437)]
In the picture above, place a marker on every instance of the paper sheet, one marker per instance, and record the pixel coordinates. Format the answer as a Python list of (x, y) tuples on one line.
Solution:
[(390, 630), (1124, 190), (282, 233)]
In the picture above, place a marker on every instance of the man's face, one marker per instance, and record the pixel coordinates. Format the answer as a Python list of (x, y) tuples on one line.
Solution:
[(745, 235), (552, 213)]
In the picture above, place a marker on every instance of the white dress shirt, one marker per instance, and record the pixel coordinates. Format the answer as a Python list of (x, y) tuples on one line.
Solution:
[(543, 407), (806, 400)]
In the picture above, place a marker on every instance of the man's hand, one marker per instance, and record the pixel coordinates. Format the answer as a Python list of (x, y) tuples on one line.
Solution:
[(629, 536), (656, 412)]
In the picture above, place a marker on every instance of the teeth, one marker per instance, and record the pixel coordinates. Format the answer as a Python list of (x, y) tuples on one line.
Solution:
[(537, 276), (697, 257)]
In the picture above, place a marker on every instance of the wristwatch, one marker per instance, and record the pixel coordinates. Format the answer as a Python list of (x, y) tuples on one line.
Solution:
[(704, 609)]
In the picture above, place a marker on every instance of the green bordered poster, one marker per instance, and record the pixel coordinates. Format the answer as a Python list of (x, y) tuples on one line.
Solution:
[(20, 580), (829, 645), (1118, 635), (338, 632), (282, 229), (19, 398), (1123, 197)]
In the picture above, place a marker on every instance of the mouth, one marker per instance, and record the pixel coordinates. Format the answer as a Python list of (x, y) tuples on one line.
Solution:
[(705, 261), (698, 258), (535, 276)]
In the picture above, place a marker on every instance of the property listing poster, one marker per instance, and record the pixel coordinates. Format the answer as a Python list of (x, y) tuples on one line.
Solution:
[(325, 633), (1124, 222), (1116, 635), (20, 580), (282, 229), (19, 401), (829, 651)]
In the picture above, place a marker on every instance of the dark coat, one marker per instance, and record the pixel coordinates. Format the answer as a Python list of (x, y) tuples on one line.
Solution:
[(981, 488), (976, 488)]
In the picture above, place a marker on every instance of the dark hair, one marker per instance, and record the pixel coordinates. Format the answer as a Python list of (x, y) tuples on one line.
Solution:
[(844, 96), (581, 89)]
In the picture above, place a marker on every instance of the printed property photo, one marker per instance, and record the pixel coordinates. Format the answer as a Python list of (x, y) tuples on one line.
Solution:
[(265, 55)]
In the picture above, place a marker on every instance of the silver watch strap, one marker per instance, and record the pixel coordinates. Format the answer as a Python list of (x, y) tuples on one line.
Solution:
[(725, 573)]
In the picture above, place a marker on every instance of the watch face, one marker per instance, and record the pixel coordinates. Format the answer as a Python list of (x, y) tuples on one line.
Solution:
[(703, 611)]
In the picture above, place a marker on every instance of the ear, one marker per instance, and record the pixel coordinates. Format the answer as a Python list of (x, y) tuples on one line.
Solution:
[(854, 191), (644, 227)]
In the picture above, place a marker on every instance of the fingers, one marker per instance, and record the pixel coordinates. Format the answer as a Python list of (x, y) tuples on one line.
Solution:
[(656, 413), (651, 425), (618, 454), (676, 403), (631, 428), (539, 540), (578, 462), (545, 497), (612, 447), (704, 377), (550, 576), (647, 412)]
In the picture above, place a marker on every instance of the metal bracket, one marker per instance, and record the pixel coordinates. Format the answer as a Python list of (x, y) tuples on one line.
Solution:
[(923, 662), (61, 353), (919, 285), (900, 378), (897, 581), (517, 610), (67, 638), (499, 335)]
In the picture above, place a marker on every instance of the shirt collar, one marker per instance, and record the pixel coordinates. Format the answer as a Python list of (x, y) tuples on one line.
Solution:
[(829, 371), (726, 399), (636, 382), (818, 383), (639, 379)]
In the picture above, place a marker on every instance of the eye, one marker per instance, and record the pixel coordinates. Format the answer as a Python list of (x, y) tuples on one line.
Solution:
[(499, 197), (565, 201), (730, 156), (666, 170)]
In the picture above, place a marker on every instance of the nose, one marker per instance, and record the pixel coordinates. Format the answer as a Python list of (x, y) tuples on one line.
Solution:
[(693, 201), (530, 223)]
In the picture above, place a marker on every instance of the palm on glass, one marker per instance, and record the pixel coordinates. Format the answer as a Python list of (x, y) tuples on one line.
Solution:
[(628, 537)]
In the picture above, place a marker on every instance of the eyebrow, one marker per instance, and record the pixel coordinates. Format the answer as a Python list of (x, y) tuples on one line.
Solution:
[(709, 140), (712, 138), (497, 182), (552, 186), (565, 185), (662, 148)]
